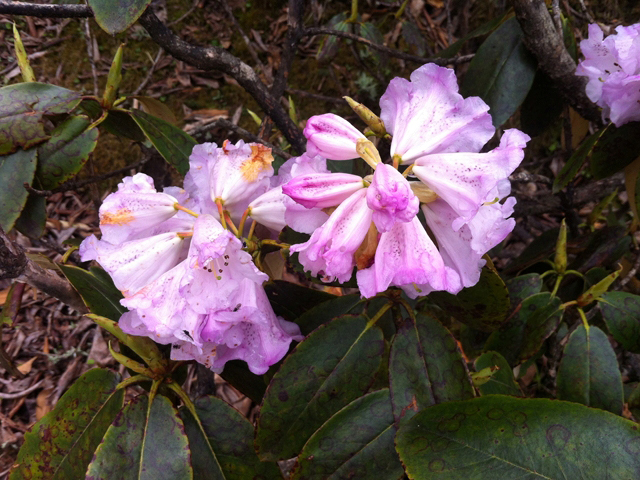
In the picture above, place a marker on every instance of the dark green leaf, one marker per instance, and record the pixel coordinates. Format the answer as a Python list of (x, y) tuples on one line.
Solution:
[(290, 300), (425, 367), (589, 372), (340, 166), (369, 31), (33, 216), (144, 443), (604, 247), (542, 106), (16, 169), (414, 37), (509, 438), (61, 445), (156, 108), (574, 164), (329, 46), (616, 148), (64, 154), (237, 373), (21, 109), (326, 371), (502, 381), (523, 287), (488, 27), (327, 310), (122, 125), (530, 325), (115, 16), (541, 247), (501, 72), (172, 143), (96, 289), (621, 313), (357, 442), (483, 306), (224, 450)]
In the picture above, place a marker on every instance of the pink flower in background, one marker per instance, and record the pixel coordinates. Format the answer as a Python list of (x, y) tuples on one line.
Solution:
[(439, 134), (612, 66)]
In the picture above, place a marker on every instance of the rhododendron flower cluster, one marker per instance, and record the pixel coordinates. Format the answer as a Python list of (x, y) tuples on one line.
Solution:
[(183, 257), (186, 278), (374, 225), (612, 66)]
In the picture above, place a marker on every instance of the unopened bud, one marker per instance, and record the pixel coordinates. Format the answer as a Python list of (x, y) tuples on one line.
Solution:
[(597, 290), (368, 152), (375, 122), (560, 260)]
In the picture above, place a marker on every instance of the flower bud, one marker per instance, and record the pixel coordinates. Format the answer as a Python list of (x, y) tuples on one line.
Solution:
[(374, 122), (332, 137)]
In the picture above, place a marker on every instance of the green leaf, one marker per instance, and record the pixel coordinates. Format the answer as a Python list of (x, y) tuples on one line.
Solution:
[(290, 300), (61, 445), (144, 443), (22, 107), (369, 31), (21, 57), (575, 163), (156, 108), (621, 313), (329, 369), (357, 442), (16, 169), (224, 448), (531, 324), (483, 306), (589, 372), (96, 289), (33, 217), (237, 373), (502, 381), (329, 46), (509, 438), (542, 106), (113, 79), (66, 152), (425, 367), (414, 37), (327, 310), (115, 16), (616, 148), (541, 247), (488, 27), (523, 287), (173, 143), (121, 124), (501, 72)]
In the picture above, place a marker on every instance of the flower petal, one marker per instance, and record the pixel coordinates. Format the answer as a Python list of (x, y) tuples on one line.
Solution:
[(322, 190), (391, 198), (332, 137)]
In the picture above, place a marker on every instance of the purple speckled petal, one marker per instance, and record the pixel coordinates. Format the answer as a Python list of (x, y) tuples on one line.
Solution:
[(391, 198), (332, 137), (321, 190)]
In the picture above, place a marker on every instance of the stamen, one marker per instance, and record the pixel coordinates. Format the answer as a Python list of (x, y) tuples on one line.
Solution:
[(184, 234), (397, 159), (493, 202), (221, 212), (177, 206)]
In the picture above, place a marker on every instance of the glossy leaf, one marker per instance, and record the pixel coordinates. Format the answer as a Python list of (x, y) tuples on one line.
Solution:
[(530, 325), (237, 374), (290, 300), (501, 72), (502, 381), (369, 31), (483, 306), (541, 247), (121, 124), (575, 162), (22, 107), (96, 289), (509, 438), (330, 368), (173, 143), (65, 153), (357, 442), (61, 445), (523, 287), (16, 169), (224, 450), (156, 108), (144, 443), (33, 217), (328, 310), (621, 313), (616, 148), (589, 372), (425, 367), (115, 16)]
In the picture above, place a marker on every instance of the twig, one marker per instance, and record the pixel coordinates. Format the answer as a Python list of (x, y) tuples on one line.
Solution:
[(547, 45), (92, 62), (45, 11), (149, 73), (13, 396), (317, 96), (224, 123), (586, 12), (75, 184), (390, 51)]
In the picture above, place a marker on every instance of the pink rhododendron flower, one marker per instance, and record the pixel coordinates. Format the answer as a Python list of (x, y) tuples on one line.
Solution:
[(440, 134), (332, 137), (186, 279), (612, 66)]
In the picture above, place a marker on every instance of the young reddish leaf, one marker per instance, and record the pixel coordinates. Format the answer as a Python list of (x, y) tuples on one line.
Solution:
[(589, 372), (61, 445)]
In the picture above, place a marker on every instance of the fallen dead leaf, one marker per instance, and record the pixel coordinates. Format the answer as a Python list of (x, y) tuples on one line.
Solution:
[(25, 368), (42, 403)]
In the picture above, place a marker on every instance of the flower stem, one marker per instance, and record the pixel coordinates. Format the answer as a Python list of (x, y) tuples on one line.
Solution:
[(583, 317), (132, 380), (268, 241), (231, 225), (221, 212), (243, 220), (252, 229)]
